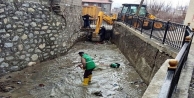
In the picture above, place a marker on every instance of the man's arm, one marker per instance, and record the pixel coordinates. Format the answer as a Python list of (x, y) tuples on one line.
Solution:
[(83, 61), (89, 16)]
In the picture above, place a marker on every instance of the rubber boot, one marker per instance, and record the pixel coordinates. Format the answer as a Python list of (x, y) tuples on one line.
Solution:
[(90, 77), (85, 82)]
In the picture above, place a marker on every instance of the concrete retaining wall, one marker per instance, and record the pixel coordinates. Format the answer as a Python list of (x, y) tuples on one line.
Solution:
[(31, 32), (145, 54)]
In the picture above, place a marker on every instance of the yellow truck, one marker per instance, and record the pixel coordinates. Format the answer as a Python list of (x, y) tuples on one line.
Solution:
[(91, 10)]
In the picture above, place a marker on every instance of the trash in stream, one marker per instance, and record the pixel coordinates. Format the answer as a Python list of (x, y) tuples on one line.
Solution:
[(115, 65), (41, 85), (98, 93), (19, 82)]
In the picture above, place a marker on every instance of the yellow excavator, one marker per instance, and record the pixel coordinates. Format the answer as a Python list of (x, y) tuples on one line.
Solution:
[(102, 17), (98, 17), (131, 9)]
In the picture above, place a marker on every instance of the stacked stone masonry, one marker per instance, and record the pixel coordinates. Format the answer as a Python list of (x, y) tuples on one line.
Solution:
[(32, 32)]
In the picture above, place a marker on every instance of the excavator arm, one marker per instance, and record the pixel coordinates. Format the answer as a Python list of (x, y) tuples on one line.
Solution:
[(103, 17)]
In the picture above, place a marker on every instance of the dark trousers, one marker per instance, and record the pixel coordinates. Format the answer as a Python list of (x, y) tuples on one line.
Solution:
[(86, 23), (102, 37), (87, 73)]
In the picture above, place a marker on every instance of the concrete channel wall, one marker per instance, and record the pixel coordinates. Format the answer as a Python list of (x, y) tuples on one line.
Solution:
[(145, 54), (31, 32)]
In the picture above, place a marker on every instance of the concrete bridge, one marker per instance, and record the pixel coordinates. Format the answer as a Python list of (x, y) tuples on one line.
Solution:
[(42, 44)]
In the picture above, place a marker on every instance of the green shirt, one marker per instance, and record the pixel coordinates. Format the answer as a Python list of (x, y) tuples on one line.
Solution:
[(89, 62)]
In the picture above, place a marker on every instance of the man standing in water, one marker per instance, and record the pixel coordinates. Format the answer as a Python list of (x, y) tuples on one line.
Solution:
[(88, 65), (86, 19)]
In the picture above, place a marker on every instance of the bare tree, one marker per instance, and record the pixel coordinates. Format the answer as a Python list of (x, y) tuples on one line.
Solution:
[(155, 7), (139, 7), (167, 7)]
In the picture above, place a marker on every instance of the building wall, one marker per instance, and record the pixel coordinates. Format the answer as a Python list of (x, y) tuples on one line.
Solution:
[(105, 7), (190, 14), (31, 32)]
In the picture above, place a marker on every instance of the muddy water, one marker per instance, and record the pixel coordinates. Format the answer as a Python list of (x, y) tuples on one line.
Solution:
[(60, 78)]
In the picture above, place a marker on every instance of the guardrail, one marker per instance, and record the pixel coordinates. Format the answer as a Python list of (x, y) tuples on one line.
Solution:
[(168, 33), (177, 36), (176, 65)]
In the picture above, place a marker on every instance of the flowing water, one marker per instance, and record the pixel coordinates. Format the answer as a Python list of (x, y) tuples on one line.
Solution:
[(60, 78)]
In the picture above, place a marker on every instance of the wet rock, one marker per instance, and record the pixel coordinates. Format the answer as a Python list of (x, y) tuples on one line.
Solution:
[(8, 77), (5, 97), (98, 93), (6, 88)]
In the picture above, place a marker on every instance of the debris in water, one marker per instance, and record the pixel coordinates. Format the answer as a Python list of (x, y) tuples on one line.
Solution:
[(75, 62), (19, 82), (137, 85), (98, 93), (115, 65), (115, 85), (41, 85)]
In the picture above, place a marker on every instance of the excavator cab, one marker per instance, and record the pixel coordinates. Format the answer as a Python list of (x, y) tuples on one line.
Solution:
[(131, 9)]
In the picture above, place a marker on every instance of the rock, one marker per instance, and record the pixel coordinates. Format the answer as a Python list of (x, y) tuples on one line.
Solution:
[(8, 78), (26, 5), (14, 68), (8, 45), (44, 27), (9, 58), (5, 20), (1, 10), (41, 46), (1, 59), (31, 63), (18, 13), (31, 10), (20, 47), (2, 31), (8, 26), (6, 88), (24, 36), (58, 23), (15, 38), (4, 65), (33, 24), (20, 30), (15, 18)]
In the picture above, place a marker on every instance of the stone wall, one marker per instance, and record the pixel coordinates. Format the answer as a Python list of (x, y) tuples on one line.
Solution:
[(31, 32), (145, 54)]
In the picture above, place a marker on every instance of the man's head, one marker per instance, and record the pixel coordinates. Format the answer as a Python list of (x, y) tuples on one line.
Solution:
[(81, 53)]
